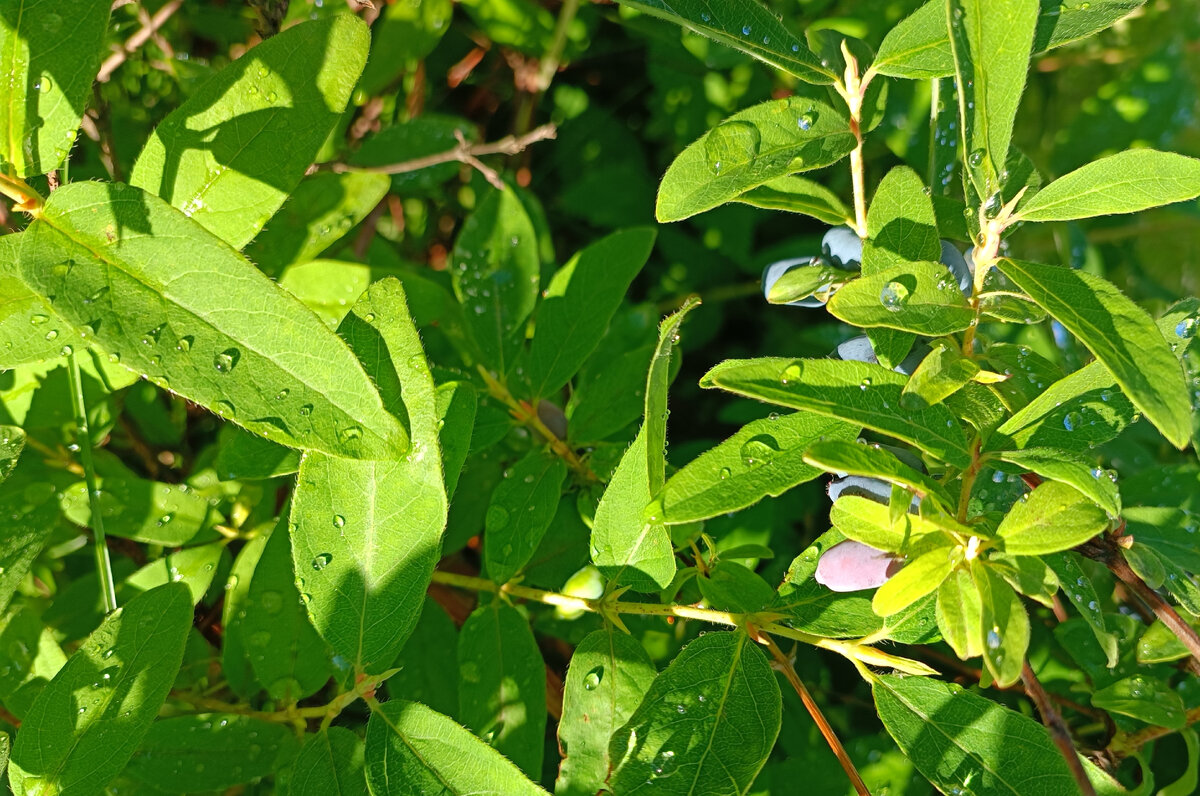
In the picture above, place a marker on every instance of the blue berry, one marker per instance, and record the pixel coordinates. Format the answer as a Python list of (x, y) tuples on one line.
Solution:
[(843, 247)]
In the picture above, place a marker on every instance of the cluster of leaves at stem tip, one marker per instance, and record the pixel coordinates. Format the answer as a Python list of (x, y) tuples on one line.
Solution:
[(377, 417)]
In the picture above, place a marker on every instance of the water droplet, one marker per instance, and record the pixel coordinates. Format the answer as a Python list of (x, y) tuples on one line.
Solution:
[(806, 120), (993, 638), (184, 343), (592, 680), (496, 518), (66, 351), (225, 409), (279, 396), (894, 296), (730, 145), (53, 333), (227, 360), (38, 320), (758, 451), (745, 30), (97, 295), (1187, 328), (1071, 421), (865, 383), (306, 410), (791, 373), (976, 158), (321, 560), (51, 23), (350, 432), (725, 473), (339, 521)]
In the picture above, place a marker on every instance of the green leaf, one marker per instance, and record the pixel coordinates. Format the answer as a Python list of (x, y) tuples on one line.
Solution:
[(218, 156), (49, 68), (209, 752), (331, 761), (1094, 483), (628, 547), (706, 725), (286, 655), (495, 272), (991, 43), (857, 392), (817, 279), (428, 663), (580, 301), (522, 506), (657, 382), (1121, 335), (12, 442), (609, 674), (367, 533), (1005, 625), (919, 577), (853, 458), (751, 148), (25, 317), (1147, 699), (86, 724), (730, 586), (943, 372), (1081, 591), (502, 690), (404, 32), (236, 665), (744, 25), (412, 751), (33, 659), (1052, 517), (145, 511), (138, 277), (320, 211), (1082, 409), (765, 457), (919, 47), (901, 225), (960, 614), (1126, 182), (245, 457), (799, 195), (457, 403), (918, 297), (967, 744), (192, 566), (427, 134), (1179, 325), (31, 517)]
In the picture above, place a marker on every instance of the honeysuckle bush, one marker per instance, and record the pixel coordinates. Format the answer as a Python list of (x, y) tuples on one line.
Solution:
[(338, 345)]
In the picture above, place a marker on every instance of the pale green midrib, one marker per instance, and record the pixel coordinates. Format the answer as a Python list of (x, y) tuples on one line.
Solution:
[(116, 264)]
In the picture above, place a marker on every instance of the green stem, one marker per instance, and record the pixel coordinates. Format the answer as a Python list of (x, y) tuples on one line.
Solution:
[(550, 62), (83, 439)]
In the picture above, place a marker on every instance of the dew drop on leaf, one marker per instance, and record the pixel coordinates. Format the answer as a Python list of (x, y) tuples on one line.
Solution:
[(731, 144), (339, 521), (894, 296), (321, 560), (227, 360), (592, 680)]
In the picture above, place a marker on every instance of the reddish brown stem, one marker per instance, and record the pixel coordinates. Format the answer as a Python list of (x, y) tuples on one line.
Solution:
[(1058, 729)]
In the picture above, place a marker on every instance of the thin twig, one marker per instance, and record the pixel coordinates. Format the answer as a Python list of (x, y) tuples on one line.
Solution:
[(463, 152), (143, 34), (784, 664), (1058, 729)]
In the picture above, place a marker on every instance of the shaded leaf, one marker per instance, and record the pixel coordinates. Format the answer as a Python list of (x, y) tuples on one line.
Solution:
[(330, 762), (799, 195), (521, 509)]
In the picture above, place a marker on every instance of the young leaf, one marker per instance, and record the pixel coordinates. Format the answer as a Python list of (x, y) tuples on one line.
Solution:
[(457, 403), (49, 53), (214, 751), (941, 374), (918, 297), (765, 457), (502, 690), (869, 522), (799, 195), (1053, 517), (331, 761), (412, 751), (657, 382), (580, 302), (919, 577), (751, 148), (522, 507), (137, 277), (857, 392), (1148, 699), (628, 547), (218, 156), (286, 655), (707, 723), (1121, 335), (1126, 182), (818, 280), (852, 458), (901, 225), (495, 275), (967, 744), (609, 674), (367, 533), (319, 212), (744, 25), (960, 614), (1094, 483), (89, 720), (991, 43), (1005, 625)]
